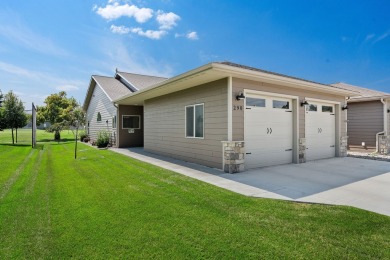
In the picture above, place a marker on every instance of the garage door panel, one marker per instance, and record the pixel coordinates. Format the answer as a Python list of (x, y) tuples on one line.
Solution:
[(320, 133), (268, 134)]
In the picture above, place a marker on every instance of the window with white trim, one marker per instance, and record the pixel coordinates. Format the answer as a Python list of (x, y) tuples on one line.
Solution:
[(195, 121), (131, 122)]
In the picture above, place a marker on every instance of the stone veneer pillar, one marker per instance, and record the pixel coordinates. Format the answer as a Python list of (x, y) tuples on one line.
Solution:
[(343, 146), (302, 150), (233, 156), (384, 144)]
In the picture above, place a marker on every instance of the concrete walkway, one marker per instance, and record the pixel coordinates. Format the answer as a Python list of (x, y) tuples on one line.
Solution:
[(340, 181)]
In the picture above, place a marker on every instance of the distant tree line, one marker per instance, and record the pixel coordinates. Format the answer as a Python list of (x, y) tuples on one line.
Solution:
[(12, 114)]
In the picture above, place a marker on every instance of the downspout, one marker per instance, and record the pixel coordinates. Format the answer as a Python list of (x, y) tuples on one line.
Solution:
[(384, 132)]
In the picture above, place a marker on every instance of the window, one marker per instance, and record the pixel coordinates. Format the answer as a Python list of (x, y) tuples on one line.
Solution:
[(327, 109), (194, 121), (114, 122), (255, 102), (131, 122), (99, 117), (311, 107), (280, 104)]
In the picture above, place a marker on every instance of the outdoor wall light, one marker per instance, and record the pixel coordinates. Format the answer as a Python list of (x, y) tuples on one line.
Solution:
[(345, 107), (107, 122), (388, 110), (240, 96), (304, 103)]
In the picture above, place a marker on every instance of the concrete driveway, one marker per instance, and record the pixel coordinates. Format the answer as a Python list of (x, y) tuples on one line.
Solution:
[(348, 181)]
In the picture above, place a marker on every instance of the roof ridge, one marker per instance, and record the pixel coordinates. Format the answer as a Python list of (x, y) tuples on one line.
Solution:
[(117, 72)]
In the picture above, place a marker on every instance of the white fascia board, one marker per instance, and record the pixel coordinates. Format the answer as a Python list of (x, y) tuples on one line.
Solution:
[(89, 92), (166, 82), (281, 80), (362, 99)]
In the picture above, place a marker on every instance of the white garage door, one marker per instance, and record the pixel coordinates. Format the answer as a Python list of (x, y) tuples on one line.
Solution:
[(268, 131), (320, 130)]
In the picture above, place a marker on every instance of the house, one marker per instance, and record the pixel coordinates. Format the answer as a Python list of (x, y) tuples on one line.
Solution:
[(368, 119), (235, 117), (102, 112)]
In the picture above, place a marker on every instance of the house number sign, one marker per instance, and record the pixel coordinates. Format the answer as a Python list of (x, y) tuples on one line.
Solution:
[(236, 107)]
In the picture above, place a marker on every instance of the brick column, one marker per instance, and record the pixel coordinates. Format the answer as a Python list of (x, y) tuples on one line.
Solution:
[(233, 156), (384, 144), (302, 150), (343, 146)]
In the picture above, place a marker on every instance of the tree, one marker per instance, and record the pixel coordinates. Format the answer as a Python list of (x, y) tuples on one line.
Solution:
[(2, 119), (13, 114), (58, 111)]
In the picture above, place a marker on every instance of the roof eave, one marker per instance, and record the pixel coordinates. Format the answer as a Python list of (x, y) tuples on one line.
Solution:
[(365, 99), (223, 71), (278, 79)]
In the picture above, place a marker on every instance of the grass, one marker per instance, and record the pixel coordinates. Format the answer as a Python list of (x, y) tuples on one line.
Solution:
[(105, 205)]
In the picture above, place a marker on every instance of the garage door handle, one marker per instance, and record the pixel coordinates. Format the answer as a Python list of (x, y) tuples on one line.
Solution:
[(332, 146), (248, 153), (267, 130), (270, 131), (288, 150), (289, 111)]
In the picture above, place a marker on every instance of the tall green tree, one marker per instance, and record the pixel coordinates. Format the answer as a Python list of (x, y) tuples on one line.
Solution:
[(13, 114), (58, 111), (2, 120)]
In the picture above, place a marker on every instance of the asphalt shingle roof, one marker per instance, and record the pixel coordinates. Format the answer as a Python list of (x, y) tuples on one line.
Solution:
[(140, 81), (363, 92), (113, 87)]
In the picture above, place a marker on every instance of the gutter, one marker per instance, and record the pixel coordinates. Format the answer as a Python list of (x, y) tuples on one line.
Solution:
[(384, 132)]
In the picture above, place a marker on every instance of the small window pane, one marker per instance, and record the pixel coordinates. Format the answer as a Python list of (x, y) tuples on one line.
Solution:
[(327, 109), (131, 122), (99, 117), (281, 104), (190, 121), (311, 107), (199, 121), (255, 102)]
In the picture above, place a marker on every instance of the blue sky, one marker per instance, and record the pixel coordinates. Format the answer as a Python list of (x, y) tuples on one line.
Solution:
[(48, 46)]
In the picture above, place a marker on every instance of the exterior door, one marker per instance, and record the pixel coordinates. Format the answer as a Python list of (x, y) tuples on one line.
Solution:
[(320, 128), (268, 131)]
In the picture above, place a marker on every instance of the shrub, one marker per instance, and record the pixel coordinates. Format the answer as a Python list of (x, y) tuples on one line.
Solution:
[(103, 139), (82, 136), (86, 139)]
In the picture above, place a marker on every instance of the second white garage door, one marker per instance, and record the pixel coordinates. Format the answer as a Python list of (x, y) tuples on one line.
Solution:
[(320, 130), (268, 131)]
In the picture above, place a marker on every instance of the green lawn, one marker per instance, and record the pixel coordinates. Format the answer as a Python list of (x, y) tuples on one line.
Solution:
[(105, 205)]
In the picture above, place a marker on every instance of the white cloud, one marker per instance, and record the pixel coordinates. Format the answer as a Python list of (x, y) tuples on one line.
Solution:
[(151, 34), (167, 20), (383, 36), (369, 37), (114, 11), (67, 88), (192, 36), (119, 29)]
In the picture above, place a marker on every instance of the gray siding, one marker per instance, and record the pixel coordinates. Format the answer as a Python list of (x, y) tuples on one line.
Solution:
[(100, 103), (388, 118), (365, 120), (238, 115), (164, 121)]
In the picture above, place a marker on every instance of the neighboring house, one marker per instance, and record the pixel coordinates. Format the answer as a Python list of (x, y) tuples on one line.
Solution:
[(234, 117), (100, 109), (368, 118)]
